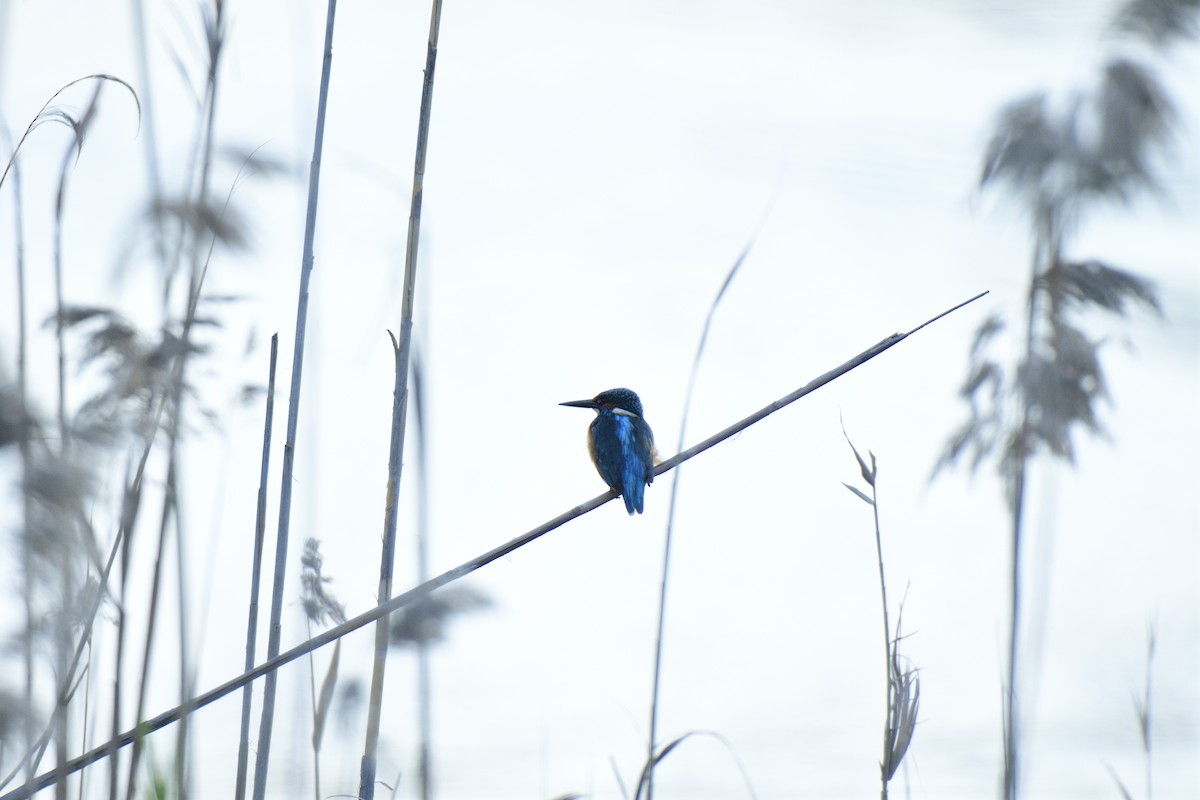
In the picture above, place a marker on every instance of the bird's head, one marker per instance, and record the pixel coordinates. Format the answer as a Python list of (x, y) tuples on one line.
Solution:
[(619, 400)]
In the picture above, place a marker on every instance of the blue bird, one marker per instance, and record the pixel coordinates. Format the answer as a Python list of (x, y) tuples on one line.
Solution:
[(621, 444)]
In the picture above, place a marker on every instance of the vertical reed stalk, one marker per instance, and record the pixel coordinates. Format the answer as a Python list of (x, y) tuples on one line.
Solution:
[(1045, 255), (170, 509), (424, 690), (130, 506), (151, 622), (889, 724), (260, 527), (23, 442), (214, 29), (387, 560), (262, 760), (1143, 709), (402, 347), (651, 756), (903, 685), (149, 135), (62, 634), (60, 200)]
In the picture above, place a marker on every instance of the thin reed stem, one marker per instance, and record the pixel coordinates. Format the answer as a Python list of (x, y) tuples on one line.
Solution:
[(652, 737), (891, 669), (59, 304), (424, 678), (214, 29), (1045, 255), (402, 347), (149, 136), (260, 529), (62, 634), (151, 622), (903, 687), (289, 449), (312, 693), (170, 515), (131, 503), (367, 769), (1144, 716), (24, 445)]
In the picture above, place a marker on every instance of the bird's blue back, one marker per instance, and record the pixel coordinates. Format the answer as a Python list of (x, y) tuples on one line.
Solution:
[(622, 446)]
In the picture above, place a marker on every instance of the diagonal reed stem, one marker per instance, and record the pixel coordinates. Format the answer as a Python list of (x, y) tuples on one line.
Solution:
[(387, 607)]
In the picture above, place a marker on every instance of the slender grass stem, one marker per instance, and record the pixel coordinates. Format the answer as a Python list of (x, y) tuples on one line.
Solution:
[(25, 446), (60, 202), (403, 348), (150, 137), (424, 678), (44, 114), (312, 692), (367, 768), (1144, 717), (903, 687), (652, 737), (1045, 255), (260, 528), (62, 635), (151, 624), (891, 668), (131, 504), (289, 449)]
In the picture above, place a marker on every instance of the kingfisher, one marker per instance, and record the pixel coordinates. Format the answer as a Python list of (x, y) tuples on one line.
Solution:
[(621, 444)]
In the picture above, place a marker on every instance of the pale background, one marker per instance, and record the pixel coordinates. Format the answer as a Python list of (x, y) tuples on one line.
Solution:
[(593, 171)]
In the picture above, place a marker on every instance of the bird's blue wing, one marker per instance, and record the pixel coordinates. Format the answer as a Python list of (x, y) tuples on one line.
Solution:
[(623, 448), (638, 467), (606, 447), (644, 438)]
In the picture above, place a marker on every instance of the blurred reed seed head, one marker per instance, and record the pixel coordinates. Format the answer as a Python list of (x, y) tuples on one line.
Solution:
[(1099, 145), (319, 605), (12, 420), (54, 540), (1158, 22), (57, 487), (206, 221), (1105, 145), (59, 542), (12, 720), (425, 621), (138, 374)]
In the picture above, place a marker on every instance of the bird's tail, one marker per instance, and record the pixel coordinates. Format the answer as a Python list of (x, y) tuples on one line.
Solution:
[(633, 497)]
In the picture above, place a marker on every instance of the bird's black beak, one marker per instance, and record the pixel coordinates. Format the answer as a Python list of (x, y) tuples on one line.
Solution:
[(581, 404)]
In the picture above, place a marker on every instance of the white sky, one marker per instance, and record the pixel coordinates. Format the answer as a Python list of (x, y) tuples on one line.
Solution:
[(593, 171)]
